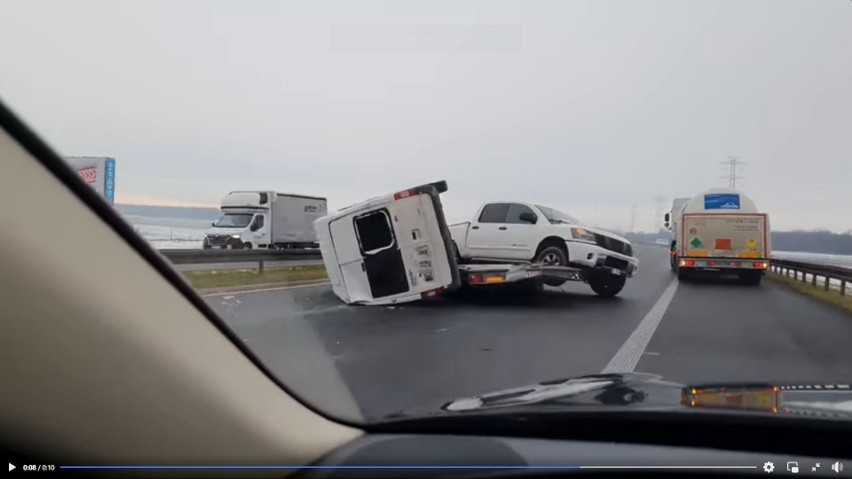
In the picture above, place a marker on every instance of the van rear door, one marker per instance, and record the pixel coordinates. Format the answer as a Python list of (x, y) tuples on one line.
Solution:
[(401, 250)]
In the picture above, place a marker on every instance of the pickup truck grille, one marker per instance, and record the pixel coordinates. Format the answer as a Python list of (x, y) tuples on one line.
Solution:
[(613, 244)]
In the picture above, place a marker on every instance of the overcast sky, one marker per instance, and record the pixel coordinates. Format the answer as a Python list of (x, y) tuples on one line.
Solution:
[(589, 106)]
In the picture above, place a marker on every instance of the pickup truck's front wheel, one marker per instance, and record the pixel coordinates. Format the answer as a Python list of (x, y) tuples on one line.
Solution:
[(607, 285), (553, 256)]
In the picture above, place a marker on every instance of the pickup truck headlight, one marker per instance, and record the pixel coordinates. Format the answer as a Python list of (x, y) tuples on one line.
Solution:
[(235, 236), (582, 235)]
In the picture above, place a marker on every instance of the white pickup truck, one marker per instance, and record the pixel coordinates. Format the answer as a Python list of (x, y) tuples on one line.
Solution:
[(512, 231)]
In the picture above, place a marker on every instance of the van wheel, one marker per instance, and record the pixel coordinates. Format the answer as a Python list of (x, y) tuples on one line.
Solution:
[(553, 256), (247, 245), (607, 285)]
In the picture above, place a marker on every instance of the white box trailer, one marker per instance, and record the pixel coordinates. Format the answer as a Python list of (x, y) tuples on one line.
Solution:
[(266, 219), (397, 248), (720, 230)]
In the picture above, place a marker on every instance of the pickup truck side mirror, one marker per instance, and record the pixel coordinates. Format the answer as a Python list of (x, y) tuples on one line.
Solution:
[(528, 217), (667, 217), (213, 224), (667, 225)]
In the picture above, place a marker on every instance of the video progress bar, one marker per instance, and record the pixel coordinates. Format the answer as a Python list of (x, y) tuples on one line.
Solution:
[(408, 467)]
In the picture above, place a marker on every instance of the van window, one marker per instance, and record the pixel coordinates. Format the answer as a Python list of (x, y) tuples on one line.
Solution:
[(374, 231), (494, 213)]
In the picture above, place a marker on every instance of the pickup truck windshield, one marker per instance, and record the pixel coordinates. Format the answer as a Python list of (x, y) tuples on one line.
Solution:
[(556, 216), (231, 220)]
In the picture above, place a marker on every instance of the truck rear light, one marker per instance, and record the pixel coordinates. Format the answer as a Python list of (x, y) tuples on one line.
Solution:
[(735, 263), (760, 265), (432, 294), (495, 279), (404, 194), (711, 263), (474, 279), (685, 262)]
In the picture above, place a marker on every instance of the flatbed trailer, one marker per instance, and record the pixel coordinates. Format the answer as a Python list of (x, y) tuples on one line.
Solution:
[(491, 274)]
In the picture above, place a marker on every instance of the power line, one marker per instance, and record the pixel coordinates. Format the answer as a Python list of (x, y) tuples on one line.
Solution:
[(733, 163), (633, 219), (658, 212)]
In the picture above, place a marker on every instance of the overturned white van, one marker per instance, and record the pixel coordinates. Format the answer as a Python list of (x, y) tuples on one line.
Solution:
[(390, 249)]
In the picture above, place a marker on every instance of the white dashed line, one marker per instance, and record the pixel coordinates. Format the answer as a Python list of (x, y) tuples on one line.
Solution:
[(631, 351), (263, 290)]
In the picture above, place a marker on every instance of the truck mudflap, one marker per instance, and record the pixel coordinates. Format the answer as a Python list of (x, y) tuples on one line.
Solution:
[(490, 274)]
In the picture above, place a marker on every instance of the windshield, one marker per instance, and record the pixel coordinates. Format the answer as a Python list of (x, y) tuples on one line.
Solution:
[(234, 220), (556, 216), (704, 144)]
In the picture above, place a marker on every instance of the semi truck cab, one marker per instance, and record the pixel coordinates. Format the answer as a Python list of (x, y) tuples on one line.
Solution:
[(243, 223)]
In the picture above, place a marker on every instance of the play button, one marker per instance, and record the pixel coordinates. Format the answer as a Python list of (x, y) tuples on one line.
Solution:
[(11, 466)]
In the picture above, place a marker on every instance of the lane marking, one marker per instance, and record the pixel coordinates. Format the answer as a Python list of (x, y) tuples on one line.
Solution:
[(628, 355), (262, 290)]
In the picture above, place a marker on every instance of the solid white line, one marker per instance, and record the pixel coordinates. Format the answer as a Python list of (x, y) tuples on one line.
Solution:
[(263, 290), (628, 356)]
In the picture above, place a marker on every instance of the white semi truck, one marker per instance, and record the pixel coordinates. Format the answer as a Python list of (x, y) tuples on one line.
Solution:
[(719, 231), (266, 219)]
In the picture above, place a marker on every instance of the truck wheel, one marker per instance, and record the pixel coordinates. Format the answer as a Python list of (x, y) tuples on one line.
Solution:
[(751, 278), (607, 285), (553, 256), (534, 286)]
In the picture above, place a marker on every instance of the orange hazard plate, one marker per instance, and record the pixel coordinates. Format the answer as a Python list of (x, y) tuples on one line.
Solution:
[(723, 243)]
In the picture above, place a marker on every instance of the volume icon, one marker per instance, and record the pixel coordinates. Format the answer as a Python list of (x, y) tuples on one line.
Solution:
[(837, 467)]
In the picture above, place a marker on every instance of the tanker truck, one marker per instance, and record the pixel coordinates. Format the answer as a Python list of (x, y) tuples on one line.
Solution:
[(719, 231)]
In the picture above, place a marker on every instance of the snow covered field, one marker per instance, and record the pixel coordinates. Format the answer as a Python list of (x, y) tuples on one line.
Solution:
[(168, 237)]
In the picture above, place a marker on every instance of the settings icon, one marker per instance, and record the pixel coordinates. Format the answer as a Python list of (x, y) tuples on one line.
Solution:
[(768, 466)]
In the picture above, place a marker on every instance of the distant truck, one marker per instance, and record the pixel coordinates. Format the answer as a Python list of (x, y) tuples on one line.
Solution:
[(266, 219), (512, 231), (719, 231)]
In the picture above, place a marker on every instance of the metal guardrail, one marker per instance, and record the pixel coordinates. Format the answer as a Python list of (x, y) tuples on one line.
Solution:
[(204, 256), (797, 268)]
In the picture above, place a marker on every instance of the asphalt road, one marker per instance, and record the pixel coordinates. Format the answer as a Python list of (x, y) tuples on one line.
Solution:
[(395, 358)]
